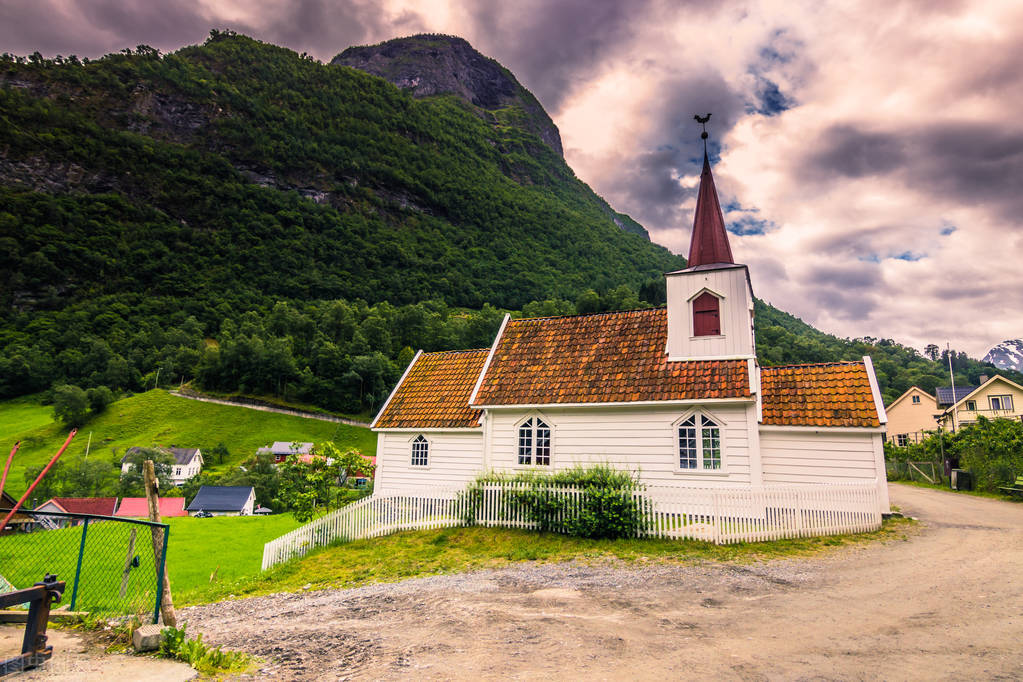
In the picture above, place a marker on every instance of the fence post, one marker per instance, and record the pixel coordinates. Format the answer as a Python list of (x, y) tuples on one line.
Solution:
[(78, 569), (159, 578)]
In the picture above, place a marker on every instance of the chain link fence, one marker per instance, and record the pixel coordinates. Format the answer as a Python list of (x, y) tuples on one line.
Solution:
[(108, 563)]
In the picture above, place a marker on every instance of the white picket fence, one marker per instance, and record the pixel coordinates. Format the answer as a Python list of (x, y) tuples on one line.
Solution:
[(721, 516)]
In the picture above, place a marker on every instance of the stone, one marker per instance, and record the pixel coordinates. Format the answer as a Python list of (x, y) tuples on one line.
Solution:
[(146, 638)]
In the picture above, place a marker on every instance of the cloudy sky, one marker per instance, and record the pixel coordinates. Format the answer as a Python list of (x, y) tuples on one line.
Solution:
[(869, 154)]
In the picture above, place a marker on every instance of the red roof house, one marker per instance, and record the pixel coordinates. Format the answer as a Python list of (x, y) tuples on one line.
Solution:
[(138, 507)]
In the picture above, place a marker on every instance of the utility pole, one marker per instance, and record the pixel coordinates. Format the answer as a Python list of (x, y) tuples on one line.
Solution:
[(952, 376), (88, 445), (152, 495), (157, 383)]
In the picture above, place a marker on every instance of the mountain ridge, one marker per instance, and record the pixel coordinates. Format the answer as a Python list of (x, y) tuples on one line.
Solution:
[(1007, 355)]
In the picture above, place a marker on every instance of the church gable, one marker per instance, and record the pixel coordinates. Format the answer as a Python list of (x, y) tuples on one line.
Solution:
[(434, 393), (613, 357)]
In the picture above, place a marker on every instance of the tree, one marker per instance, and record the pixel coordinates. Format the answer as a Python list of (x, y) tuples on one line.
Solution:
[(132, 483), (932, 351), (99, 398), (220, 453), (70, 405)]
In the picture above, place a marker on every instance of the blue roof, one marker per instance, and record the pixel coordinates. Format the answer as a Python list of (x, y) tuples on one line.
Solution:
[(221, 498), (945, 396)]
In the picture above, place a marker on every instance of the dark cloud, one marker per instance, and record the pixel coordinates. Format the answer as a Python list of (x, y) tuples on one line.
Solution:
[(647, 183), (843, 305), (554, 45), (963, 162), (844, 276), (92, 28)]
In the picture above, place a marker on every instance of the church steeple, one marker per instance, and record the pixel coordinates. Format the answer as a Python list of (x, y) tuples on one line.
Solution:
[(709, 242)]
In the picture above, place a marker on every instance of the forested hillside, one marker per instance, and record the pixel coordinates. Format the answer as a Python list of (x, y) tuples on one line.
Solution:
[(247, 217)]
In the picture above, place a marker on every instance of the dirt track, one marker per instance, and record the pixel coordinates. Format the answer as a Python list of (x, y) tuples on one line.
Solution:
[(945, 603)]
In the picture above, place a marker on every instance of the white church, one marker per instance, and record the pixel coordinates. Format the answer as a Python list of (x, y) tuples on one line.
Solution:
[(674, 394)]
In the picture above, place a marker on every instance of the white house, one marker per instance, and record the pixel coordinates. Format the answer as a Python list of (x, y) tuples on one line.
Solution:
[(188, 462), (675, 394)]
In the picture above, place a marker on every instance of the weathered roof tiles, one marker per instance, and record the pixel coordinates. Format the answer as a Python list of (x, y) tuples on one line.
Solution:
[(435, 392), (828, 395)]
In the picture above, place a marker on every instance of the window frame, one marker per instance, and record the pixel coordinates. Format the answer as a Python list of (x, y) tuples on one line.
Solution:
[(915, 399), (536, 419), (1001, 402), (698, 415), (971, 405), (419, 438), (691, 304), (902, 439)]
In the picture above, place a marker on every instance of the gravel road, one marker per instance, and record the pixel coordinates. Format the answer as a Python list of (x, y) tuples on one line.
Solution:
[(946, 602)]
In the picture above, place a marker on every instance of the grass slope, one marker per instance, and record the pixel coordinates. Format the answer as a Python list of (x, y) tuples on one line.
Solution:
[(23, 414), (453, 550), (158, 418)]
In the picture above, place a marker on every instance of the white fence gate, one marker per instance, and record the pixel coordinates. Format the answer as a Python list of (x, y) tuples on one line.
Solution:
[(720, 516)]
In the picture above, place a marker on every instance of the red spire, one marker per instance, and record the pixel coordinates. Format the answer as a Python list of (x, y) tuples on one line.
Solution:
[(709, 243)]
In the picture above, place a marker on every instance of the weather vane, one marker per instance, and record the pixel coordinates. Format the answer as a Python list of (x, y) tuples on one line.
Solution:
[(702, 120)]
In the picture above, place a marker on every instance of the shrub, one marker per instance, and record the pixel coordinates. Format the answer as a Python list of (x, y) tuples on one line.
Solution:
[(992, 449), (605, 506)]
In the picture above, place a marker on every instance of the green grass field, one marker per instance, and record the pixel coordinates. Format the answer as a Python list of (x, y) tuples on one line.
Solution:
[(226, 549), (453, 550), (23, 414), (158, 418)]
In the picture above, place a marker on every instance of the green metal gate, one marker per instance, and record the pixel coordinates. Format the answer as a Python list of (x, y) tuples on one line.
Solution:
[(112, 566)]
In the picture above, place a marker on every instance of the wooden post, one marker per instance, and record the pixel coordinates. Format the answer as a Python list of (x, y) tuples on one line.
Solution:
[(152, 495), (127, 562)]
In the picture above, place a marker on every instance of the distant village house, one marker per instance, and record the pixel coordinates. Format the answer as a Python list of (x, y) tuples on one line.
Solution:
[(188, 462)]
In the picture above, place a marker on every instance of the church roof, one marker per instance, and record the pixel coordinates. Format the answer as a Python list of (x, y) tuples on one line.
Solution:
[(709, 241), (616, 357), (435, 392), (834, 394)]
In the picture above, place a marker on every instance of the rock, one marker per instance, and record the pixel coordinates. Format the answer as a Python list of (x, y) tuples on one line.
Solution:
[(426, 65), (146, 638)]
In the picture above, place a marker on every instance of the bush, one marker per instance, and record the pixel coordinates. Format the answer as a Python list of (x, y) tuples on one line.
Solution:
[(992, 449), (606, 508)]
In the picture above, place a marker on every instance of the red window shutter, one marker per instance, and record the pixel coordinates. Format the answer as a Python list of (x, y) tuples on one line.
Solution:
[(706, 315)]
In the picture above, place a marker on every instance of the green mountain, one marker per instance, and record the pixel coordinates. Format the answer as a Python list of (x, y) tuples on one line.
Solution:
[(240, 215)]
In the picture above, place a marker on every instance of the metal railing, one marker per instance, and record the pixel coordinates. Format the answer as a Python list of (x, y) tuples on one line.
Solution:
[(721, 516), (114, 566)]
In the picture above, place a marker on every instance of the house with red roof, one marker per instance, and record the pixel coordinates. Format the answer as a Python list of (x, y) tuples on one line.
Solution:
[(101, 506), (675, 394), (138, 507)]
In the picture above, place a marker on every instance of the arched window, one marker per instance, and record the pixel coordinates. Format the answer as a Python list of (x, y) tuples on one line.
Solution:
[(699, 443), (534, 442), (706, 315), (420, 451)]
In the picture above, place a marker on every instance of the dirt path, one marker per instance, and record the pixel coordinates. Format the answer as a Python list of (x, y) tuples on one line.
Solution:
[(945, 603), (270, 408), (77, 657)]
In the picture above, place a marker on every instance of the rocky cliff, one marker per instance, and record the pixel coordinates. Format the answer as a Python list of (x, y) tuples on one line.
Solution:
[(427, 65)]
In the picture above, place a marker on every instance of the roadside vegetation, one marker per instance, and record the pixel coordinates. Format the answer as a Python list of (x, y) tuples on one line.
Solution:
[(991, 450)]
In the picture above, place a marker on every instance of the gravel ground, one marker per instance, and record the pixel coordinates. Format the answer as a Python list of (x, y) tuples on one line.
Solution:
[(945, 602)]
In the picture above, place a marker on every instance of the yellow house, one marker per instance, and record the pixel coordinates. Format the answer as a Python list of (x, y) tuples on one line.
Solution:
[(996, 397), (911, 415)]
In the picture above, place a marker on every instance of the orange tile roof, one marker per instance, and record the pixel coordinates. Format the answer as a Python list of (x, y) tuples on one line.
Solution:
[(435, 393), (831, 394), (601, 358)]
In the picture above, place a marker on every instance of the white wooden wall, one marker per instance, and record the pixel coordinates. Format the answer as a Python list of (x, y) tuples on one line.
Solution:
[(636, 439), (736, 322), (824, 456), (455, 458)]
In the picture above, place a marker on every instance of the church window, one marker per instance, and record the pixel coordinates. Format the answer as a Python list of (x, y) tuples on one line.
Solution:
[(420, 451), (699, 443), (535, 442), (706, 315)]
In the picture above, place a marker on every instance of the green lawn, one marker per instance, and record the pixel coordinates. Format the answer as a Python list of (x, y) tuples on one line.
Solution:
[(22, 414), (452, 550), (229, 547), (158, 418)]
